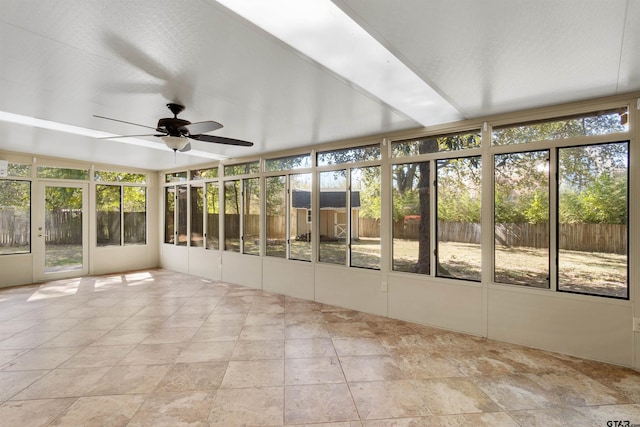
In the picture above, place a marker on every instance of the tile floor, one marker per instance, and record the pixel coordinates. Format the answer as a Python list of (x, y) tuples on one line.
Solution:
[(158, 348)]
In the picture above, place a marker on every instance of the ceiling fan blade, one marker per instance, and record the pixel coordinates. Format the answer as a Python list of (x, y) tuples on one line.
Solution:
[(131, 136), (201, 127), (186, 148), (221, 140), (122, 121)]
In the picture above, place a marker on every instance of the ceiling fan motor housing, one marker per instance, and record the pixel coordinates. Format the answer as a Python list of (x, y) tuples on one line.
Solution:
[(172, 126)]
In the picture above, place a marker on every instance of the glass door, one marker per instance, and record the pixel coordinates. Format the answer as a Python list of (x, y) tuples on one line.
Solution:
[(61, 235)]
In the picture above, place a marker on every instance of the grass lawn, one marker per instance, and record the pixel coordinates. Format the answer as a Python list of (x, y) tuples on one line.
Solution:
[(586, 272)]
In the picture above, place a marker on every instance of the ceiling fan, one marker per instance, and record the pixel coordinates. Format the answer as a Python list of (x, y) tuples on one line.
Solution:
[(176, 132)]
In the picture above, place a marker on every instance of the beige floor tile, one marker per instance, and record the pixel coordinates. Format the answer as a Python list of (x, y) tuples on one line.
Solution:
[(349, 330), (261, 349), (153, 354), (319, 403), (419, 365), (120, 337), (552, 417), (15, 381), (232, 319), (140, 323), (136, 379), (184, 321), (100, 411), (273, 308), (387, 399), (325, 370), (27, 340), (262, 332), (254, 373), (229, 355), (494, 419), (199, 352), (33, 413), (576, 389), (192, 377), (454, 396), (98, 356), (74, 338), (359, 347), (515, 392), (174, 409), (57, 324), (248, 407), (99, 323), (315, 347), (259, 319), (74, 382), (41, 358), (217, 333), (601, 415), (306, 330), (370, 368), (170, 335), (6, 356)]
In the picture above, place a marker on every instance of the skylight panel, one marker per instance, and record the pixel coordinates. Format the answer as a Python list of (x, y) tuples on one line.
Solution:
[(323, 32)]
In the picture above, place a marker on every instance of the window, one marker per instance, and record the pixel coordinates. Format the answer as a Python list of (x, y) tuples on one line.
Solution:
[(288, 221), (242, 169), (285, 163), (135, 215), (18, 170), (175, 177), (108, 176), (521, 218), (432, 144), (121, 213), (232, 211), (197, 215), (15, 216), (62, 173), (181, 215), (593, 207), (276, 219), (458, 251), (175, 208), (108, 214), (332, 218), (411, 218), (251, 216), (365, 217), (349, 155), (203, 173), (169, 214), (596, 123), (213, 216), (300, 225)]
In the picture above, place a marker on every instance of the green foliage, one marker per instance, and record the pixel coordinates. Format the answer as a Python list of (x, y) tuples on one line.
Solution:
[(369, 187), (16, 194), (584, 125), (603, 201), (275, 195)]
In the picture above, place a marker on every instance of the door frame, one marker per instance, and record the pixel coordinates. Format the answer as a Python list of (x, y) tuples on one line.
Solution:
[(38, 242)]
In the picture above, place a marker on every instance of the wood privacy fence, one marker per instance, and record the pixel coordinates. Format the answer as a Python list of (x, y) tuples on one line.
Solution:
[(607, 238), (108, 227), (65, 227), (14, 227)]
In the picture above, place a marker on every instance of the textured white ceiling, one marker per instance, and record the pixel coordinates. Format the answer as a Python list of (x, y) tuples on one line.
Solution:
[(67, 60)]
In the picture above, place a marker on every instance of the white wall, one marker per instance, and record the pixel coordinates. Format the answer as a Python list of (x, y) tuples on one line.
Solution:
[(16, 270)]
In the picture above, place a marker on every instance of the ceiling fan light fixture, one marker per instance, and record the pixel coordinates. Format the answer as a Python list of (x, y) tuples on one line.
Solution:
[(175, 142)]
